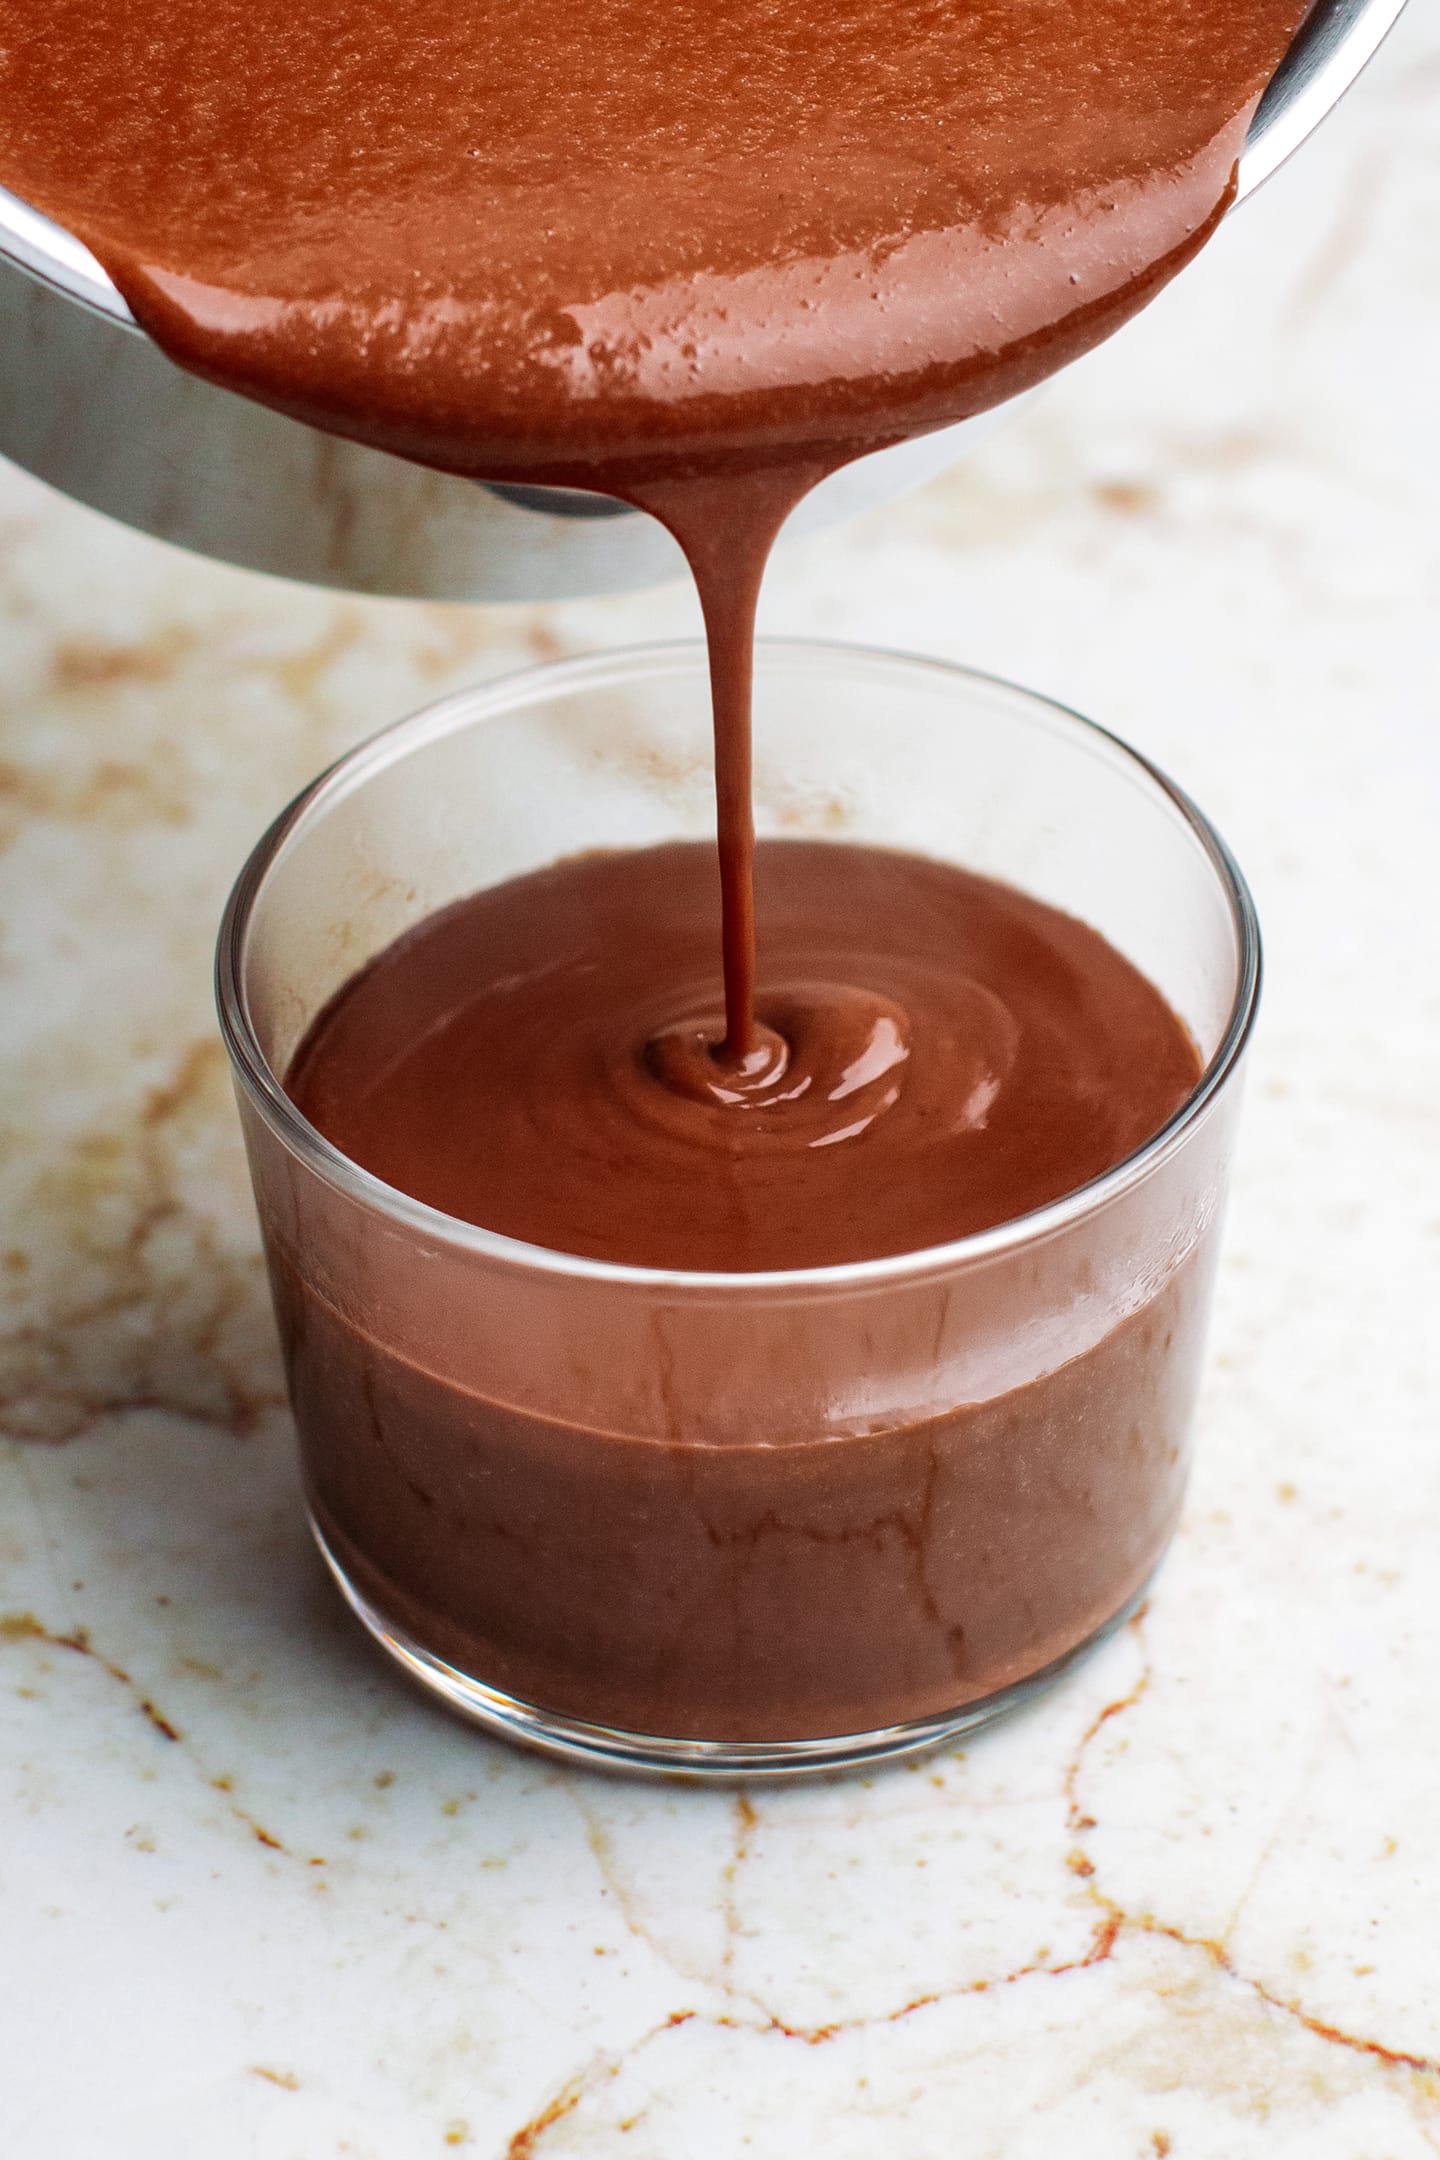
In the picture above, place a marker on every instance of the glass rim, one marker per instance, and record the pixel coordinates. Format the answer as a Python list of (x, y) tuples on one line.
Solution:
[(444, 716)]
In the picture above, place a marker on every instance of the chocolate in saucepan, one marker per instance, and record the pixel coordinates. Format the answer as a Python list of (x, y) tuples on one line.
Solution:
[(697, 254)]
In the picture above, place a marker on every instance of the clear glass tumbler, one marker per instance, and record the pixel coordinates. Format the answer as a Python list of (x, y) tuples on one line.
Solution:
[(739, 1524)]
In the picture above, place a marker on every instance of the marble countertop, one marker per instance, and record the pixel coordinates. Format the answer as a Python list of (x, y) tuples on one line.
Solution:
[(260, 1902)]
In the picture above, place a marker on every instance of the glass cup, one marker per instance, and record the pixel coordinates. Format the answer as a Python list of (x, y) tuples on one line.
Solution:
[(729, 1523)]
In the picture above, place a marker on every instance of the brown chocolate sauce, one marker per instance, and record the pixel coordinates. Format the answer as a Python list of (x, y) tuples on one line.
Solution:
[(935, 1054), (785, 1588)]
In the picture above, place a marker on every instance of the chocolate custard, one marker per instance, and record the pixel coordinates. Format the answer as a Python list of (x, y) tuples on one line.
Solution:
[(935, 1053), (782, 1586)]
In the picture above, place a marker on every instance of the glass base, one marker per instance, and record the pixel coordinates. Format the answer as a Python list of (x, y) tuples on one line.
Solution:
[(601, 1747)]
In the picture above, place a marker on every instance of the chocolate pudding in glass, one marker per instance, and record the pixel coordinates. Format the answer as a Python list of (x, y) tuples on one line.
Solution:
[(669, 1429)]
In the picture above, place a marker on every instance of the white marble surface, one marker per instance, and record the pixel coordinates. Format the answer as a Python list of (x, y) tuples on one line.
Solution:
[(260, 1902)]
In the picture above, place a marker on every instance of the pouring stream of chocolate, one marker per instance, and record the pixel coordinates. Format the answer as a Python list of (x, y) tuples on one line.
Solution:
[(695, 255)]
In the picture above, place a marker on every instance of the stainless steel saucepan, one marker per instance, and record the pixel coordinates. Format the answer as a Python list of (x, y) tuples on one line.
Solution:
[(90, 405)]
